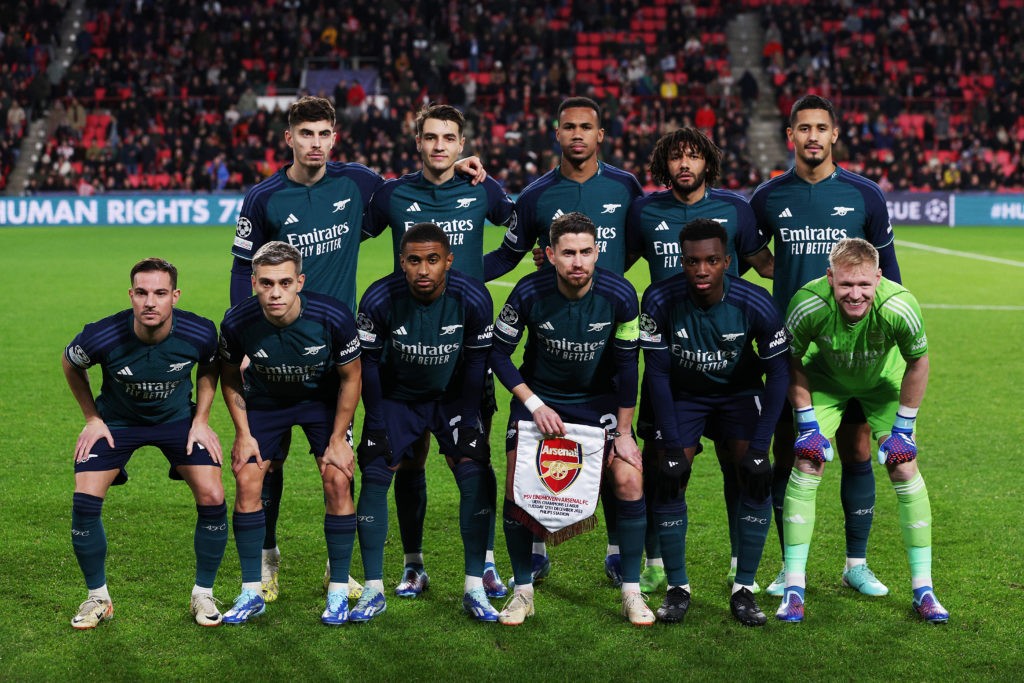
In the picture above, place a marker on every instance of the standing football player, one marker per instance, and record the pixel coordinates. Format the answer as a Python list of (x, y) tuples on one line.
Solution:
[(807, 210), (316, 206), (708, 338), (598, 190), (436, 193), (688, 163), (426, 333), (580, 366), (147, 354), (857, 334), (304, 370)]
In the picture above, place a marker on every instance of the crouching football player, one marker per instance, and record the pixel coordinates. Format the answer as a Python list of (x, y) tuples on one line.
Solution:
[(869, 343), (426, 333), (304, 370), (698, 330), (580, 366), (147, 354)]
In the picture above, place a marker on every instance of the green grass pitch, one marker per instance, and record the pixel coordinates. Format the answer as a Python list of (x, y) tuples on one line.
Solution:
[(56, 280)]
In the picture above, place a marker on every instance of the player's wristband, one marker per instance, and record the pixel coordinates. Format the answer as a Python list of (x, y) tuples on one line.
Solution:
[(905, 419), (533, 403), (805, 416)]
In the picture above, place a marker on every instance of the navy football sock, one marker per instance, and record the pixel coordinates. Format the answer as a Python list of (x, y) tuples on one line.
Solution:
[(752, 519), (519, 541), (491, 484), (857, 491), (611, 513), (210, 541), (340, 533), (632, 522), (372, 515), (672, 522), (249, 528), (411, 507), (474, 514), (89, 539), (731, 494), (273, 486)]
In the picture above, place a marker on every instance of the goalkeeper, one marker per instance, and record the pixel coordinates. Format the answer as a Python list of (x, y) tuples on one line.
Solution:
[(857, 335)]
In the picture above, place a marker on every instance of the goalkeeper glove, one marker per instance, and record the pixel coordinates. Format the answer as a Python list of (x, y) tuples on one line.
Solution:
[(810, 442), (900, 447)]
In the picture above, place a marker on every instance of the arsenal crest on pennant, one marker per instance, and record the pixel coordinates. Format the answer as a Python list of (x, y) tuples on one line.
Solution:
[(559, 461)]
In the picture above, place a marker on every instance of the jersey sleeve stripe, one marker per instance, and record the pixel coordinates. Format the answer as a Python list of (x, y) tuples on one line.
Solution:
[(905, 311), (803, 310)]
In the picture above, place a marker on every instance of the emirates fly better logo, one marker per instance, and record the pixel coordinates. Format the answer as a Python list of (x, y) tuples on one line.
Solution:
[(559, 461)]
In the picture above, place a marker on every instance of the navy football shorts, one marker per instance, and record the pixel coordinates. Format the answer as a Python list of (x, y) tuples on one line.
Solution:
[(171, 438)]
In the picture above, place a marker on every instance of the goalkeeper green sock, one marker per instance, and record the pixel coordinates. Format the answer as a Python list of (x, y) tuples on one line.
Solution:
[(915, 513), (798, 520)]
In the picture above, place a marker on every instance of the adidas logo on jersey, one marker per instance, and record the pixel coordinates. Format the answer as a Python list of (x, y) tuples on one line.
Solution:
[(558, 214), (661, 226), (125, 372), (415, 206), (546, 325), (786, 213), (682, 334), (261, 354), (400, 330), (291, 219)]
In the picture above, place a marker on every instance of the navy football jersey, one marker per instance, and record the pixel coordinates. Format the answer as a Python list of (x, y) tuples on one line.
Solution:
[(655, 221), (570, 351), (806, 220), (295, 363), (458, 207), (421, 346), (323, 221), (144, 384), (605, 198)]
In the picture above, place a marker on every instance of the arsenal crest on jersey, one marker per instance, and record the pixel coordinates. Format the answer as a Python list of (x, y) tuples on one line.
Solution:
[(559, 461)]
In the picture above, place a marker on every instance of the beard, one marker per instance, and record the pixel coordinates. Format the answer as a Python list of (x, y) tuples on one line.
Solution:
[(687, 188)]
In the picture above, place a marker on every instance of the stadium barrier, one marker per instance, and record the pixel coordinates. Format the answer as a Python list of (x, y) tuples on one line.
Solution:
[(147, 209)]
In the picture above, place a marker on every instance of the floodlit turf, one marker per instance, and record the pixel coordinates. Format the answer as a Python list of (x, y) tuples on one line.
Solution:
[(55, 280)]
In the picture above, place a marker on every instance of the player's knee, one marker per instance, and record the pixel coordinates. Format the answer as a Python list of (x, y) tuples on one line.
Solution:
[(629, 483), (376, 470)]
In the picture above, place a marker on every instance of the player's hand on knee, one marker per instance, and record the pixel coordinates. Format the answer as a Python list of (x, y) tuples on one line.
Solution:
[(624, 448), (673, 473), (471, 443), (94, 430), (338, 454), (755, 474), (810, 442), (900, 446), (243, 449), (373, 444), (204, 435)]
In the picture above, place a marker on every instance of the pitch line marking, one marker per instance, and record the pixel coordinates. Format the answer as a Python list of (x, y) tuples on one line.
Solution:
[(960, 307), (963, 254)]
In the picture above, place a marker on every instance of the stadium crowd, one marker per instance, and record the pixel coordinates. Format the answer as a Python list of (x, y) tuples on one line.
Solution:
[(168, 100)]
